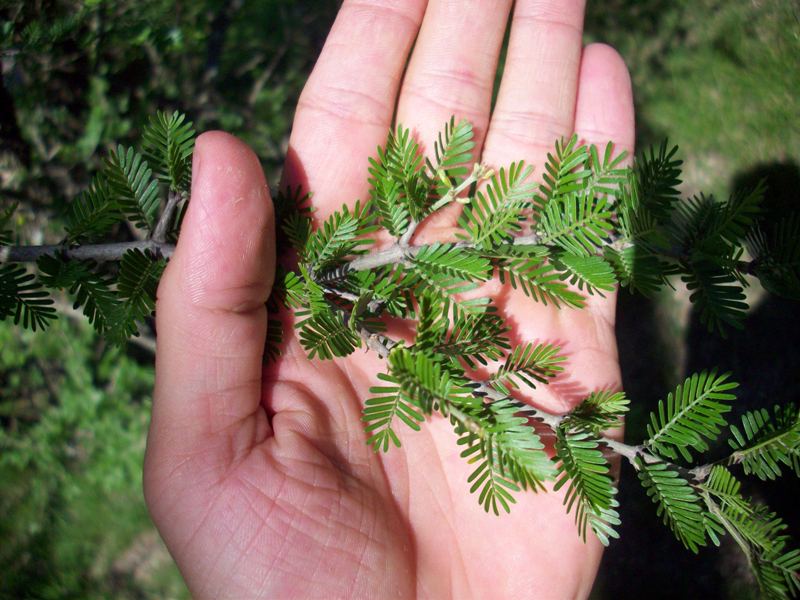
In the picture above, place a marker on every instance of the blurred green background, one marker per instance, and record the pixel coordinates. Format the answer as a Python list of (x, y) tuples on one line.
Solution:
[(720, 78)]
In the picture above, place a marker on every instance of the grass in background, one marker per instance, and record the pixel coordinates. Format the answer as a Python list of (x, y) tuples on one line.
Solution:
[(74, 417)]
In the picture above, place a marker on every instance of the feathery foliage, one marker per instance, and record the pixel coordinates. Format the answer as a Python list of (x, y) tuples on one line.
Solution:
[(494, 216), (757, 531), (765, 443), (591, 225), (691, 415), (92, 213), (23, 299), (679, 505), (168, 142), (129, 181), (590, 490)]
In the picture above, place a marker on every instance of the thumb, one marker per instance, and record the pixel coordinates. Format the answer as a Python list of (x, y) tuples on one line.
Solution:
[(210, 313)]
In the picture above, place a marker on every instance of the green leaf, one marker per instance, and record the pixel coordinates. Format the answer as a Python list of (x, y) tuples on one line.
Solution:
[(599, 411), (638, 269), (427, 381), (168, 142), (564, 171), (381, 411), (293, 216), (657, 175), (766, 443), (757, 531), (591, 273), (524, 267), (580, 224), (136, 287), (339, 236), (92, 213), (776, 255), (23, 299), (389, 287), (453, 151), (492, 217), (509, 453), (606, 173), (131, 186), (91, 290), (738, 214), (445, 328), (449, 268), (691, 415), (679, 506), (527, 364), (590, 489), (274, 339), (717, 294), (326, 334), (397, 178)]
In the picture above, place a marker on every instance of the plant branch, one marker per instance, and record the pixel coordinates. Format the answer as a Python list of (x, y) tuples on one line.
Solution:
[(162, 227), (96, 252), (398, 253), (382, 345)]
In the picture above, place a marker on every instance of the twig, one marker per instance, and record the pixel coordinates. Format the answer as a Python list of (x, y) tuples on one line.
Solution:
[(382, 345), (164, 221), (409, 233), (397, 253), (97, 252)]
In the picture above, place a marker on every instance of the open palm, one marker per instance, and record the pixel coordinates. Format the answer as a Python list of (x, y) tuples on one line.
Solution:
[(260, 481)]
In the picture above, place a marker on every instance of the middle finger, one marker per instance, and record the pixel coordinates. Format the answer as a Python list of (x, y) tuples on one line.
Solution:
[(536, 102), (452, 68)]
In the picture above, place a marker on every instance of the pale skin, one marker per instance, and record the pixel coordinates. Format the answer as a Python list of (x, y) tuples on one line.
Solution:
[(259, 479)]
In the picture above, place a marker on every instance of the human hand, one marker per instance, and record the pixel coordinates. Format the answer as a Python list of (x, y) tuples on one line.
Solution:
[(260, 481)]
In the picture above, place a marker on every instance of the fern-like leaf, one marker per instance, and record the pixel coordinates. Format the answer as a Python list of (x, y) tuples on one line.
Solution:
[(92, 213), (448, 268), (600, 410), (528, 363), (428, 381), (580, 224), (92, 291), (168, 142), (766, 443), (381, 411), (590, 490), (638, 269), (591, 273), (23, 299), (397, 177), (494, 216), (776, 256), (524, 267), (326, 334), (131, 185), (136, 287), (657, 175), (445, 328), (453, 151), (757, 531), (564, 171), (509, 453), (679, 505), (717, 294), (691, 415), (339, 236)]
